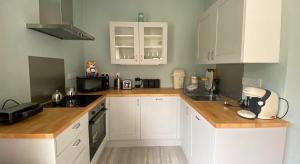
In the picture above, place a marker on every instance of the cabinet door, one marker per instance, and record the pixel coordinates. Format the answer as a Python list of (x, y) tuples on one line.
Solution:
[(159, 117), (185, 129), (124, 45), (207, 36), (124, 118), (229, 31), (202, 140), (153, 42)]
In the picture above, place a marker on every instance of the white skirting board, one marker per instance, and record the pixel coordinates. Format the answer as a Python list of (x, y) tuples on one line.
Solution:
[(138, 143)]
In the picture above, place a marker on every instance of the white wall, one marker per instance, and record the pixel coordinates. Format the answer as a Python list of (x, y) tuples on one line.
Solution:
[(17, 43)]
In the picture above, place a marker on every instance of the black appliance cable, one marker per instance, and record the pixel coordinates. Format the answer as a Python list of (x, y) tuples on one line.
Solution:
[(8, 100), (288, 106)]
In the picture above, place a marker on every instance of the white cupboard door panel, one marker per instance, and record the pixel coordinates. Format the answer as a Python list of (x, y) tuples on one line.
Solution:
[(202, 140), (78, 145), (124, 45), (67, 136), (185, 129), (229, 31), (159, 117), (153, 42), (124, 118), (207, 36)]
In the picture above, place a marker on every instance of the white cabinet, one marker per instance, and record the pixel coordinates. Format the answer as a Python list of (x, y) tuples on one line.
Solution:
[(159, 117), (185, 129), (72, 145), (243, 33), (138, 43), (202, 140), (124, 118), (207, 37), (124, 42)]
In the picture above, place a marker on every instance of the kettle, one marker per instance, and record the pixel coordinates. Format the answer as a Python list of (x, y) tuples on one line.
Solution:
[(70, 92), (57, 97)]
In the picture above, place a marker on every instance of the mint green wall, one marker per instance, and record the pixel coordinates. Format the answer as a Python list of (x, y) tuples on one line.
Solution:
[(181, 15), (17, 43)]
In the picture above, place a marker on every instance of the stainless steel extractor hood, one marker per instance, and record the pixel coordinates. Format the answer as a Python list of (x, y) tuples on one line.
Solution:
[(56, 19)]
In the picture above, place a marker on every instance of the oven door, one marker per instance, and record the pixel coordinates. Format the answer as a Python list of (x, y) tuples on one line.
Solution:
[(97, 132)]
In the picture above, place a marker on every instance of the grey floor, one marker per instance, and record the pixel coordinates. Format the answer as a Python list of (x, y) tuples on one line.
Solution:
[(143, 155)]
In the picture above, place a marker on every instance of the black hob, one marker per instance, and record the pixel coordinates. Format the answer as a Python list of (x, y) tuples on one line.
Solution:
[(77, 101)]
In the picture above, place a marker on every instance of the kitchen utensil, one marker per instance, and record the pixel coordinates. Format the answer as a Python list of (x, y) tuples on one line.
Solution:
[(57, 97), (127, 84), (70, 92)]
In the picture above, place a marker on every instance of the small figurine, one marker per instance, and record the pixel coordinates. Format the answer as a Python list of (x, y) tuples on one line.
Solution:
[(91, 70)]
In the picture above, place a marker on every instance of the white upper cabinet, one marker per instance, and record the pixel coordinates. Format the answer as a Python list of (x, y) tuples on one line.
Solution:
[(207, 37), (138, 43), (246, 31), (124, 42)]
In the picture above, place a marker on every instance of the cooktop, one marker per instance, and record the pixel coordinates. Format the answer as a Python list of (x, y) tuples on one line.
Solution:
[(77, 101)]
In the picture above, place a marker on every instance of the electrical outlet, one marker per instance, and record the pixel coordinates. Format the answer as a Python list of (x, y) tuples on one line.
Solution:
[(249, 82), (72, 76)]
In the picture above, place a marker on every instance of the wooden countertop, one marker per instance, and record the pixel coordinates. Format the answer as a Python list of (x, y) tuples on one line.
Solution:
[(52, 122)]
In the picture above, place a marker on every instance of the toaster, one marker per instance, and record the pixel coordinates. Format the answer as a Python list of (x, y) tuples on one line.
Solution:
[(127, 84)]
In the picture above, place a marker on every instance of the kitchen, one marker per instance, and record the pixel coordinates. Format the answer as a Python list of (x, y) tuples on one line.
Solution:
[(18, 43)]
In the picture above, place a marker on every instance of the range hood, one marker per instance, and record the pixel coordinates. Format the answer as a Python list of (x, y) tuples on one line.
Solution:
[(56, 19)]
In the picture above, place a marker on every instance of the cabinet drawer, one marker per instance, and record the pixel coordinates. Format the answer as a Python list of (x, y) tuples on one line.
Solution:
[(67, 136), (73, 151)]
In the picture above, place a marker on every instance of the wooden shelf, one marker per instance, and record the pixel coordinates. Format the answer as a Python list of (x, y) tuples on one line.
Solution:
[(124, 35), (124, 46), (153, 36)]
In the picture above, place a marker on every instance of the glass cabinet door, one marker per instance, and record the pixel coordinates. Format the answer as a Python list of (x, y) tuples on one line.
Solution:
[(124, 42), (153, 43)]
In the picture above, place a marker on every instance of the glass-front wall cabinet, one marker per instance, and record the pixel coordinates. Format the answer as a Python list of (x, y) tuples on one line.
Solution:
[(124, 42), (142, 43), (153, 43)]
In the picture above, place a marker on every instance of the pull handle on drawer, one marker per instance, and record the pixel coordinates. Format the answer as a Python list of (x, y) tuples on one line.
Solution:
[(77, 142), (76, 126), (197, 118), (159, 99)]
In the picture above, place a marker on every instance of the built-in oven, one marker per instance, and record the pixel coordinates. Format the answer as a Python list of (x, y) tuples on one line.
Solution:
[(97, 128)]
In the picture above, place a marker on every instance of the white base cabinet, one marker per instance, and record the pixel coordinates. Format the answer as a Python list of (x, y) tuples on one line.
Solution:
[(159, 117), (143, 118), (209, 145), (185, 128), (71, 146), (124, 118)]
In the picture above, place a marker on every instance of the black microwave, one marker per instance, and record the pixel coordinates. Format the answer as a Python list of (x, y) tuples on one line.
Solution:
[(85, 85)]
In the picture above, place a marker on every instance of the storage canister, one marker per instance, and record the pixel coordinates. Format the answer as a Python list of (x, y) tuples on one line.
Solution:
[(178, 78)]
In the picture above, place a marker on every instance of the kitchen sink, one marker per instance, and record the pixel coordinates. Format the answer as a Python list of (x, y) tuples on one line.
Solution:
[(204, 97)]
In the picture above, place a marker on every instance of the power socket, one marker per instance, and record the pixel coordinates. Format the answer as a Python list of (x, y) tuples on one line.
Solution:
[(72, 76)]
